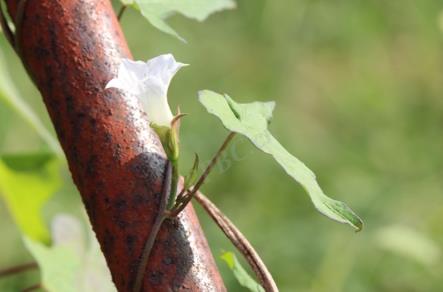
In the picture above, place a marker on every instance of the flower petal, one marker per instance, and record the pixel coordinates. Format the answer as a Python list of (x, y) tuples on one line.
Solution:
[(130, 77), (115, 83), (149, 82), (155, 103), (164, 67)]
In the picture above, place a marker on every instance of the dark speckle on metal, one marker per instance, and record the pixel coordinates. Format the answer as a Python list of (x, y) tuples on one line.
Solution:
[(71, 49)]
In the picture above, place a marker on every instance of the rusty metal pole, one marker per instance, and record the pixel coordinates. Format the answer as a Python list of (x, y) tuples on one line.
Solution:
[(71, 49)]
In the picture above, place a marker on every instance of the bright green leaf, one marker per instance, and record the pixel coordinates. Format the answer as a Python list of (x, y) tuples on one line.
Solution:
[(71, 264), (251, 120), (26, 183), (240, 273), (10, 96), (156, 11)]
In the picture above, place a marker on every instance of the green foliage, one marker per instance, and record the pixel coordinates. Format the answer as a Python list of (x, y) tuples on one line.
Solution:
[(240, 273), (26, 183), (251, 120), (71, 265), (10, 96), (156, 11), (358, 87), (407, 242)]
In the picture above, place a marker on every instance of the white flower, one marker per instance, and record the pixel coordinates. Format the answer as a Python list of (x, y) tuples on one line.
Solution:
[(149, 82)]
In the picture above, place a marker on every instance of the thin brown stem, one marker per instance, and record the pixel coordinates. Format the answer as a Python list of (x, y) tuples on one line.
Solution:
[(18, 269), (180, 196), (240, 242), (33, 287), (155, 229), (213, 162), (121, 12), (203, 177)]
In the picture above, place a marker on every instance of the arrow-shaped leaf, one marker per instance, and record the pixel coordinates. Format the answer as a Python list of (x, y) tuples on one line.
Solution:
[(251, 120)]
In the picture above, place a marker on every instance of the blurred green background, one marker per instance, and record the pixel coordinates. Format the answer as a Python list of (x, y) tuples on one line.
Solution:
[(359, 91)]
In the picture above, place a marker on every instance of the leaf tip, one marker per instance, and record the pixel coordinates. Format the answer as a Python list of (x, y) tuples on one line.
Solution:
[(359, 225), (354, 220)]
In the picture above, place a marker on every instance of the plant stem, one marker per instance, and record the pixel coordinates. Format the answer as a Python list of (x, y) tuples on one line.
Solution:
[(155, 229), (121, 12), (33, 287), (18, 269), (240, 242), (174, 183), (205, 174), (213, 162)]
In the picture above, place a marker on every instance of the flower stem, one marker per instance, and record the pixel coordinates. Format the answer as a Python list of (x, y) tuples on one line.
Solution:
[(174, 184), (240, 242), (203, 177)]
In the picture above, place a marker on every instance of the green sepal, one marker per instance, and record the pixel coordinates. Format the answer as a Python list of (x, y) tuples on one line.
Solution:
[(169, 139)]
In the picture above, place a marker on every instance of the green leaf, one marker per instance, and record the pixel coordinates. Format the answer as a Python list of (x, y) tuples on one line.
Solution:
[(71, 264), (156, 11), (10, 96), (26, 183), (251, 120), (240, 273)]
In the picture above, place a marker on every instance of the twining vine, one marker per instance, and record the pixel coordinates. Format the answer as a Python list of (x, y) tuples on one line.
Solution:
[(149, 82)]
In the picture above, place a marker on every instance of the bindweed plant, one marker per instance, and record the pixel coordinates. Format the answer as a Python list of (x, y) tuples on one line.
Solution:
[(149, 82)]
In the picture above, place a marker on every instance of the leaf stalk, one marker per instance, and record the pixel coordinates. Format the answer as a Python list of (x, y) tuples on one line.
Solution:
[(188, 197)]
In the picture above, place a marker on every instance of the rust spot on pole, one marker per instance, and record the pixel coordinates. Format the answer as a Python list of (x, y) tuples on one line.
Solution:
[(71, 49)]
